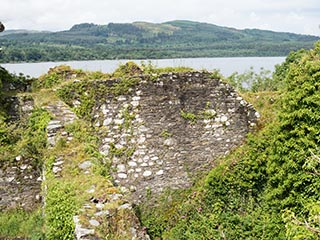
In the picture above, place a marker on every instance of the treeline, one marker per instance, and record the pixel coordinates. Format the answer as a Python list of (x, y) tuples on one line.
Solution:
[(176, 39)]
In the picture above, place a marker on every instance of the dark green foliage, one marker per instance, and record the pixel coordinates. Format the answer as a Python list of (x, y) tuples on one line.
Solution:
[(251, 81), (12, 82), (127, 69), (55, 76), (268, 188), (141, 40), (59, 209), (21, 223), (34, 138), (28, 138), (298, 135), (81, 91)]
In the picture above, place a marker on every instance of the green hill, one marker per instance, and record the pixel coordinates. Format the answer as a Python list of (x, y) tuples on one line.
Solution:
[(141, 40)]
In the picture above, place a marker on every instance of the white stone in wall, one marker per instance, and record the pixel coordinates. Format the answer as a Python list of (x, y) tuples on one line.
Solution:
[(76, 103), (94, 222), (139, 92), (107, 121), (216, 125), (122, 175), (121, 168), (104, 109), (133, 188), (132, 164), (142, 147), (23, 167), (206, 121), (223, 118), (239, 98), (142, 128), (134, 103), (140, 152), (9, 179), (141, 139), (159, 162), (169, 142), (102, 213), (144, 164), (56, 169), (118, 146), (136, 98), (211, 111), (105, 149), (147, 173), (107, 140), (122, 98), (139, 120), (138, 169), (119, 121)]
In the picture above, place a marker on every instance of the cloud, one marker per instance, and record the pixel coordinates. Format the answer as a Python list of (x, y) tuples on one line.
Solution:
[(284, 15)]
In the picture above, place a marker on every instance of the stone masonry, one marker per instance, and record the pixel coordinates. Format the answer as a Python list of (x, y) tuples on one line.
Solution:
[(167, 131), (20, 180)]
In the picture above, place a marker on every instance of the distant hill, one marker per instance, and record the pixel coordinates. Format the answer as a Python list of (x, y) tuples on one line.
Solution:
[(141, 40)]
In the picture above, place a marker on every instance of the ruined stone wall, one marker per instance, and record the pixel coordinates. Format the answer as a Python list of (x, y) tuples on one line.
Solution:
[(20, 180), (168, 130), (161, 134)]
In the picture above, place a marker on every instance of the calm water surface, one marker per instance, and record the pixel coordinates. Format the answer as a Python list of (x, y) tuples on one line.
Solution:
[(226, 66)]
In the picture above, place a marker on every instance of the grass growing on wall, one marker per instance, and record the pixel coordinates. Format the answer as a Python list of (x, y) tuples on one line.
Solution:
[(21, 223)]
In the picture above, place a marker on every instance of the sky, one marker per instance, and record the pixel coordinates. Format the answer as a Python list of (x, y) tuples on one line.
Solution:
[(297, 16)]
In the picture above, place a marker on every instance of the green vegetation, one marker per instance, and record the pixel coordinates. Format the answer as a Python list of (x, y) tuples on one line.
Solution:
[(205, 114), (269, 187), (191, 117), (139, 40), (251, 81), (266, 189), (27, 139), (60, 209), (22, 224)]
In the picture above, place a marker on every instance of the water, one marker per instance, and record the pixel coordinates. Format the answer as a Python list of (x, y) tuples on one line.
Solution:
[(226, 66)]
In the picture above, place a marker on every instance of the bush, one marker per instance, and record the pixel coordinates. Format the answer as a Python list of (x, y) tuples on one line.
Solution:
[(269, 188), (59, 211)]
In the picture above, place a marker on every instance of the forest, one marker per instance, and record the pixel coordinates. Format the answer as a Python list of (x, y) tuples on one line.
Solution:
[(143, 40)]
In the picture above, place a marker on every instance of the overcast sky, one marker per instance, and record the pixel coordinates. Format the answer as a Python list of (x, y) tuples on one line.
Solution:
[(299, 16)]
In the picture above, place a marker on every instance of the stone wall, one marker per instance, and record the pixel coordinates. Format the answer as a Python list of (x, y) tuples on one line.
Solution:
[(167, 131), (20, 184), (20, 180), (18, 107)]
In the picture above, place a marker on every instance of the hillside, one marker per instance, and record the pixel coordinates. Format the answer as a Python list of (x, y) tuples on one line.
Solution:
[(141, 40)]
